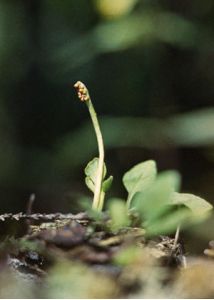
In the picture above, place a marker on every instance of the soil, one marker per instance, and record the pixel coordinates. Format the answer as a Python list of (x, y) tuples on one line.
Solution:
[(74, 256)]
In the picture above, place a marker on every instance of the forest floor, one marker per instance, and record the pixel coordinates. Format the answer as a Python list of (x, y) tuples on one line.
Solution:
[(74, 256)]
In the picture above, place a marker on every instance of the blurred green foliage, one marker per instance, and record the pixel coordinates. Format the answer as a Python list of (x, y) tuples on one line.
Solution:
[(154, 203), (149, 67)]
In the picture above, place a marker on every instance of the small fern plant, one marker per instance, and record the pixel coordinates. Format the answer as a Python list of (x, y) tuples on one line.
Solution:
[(153, 199)]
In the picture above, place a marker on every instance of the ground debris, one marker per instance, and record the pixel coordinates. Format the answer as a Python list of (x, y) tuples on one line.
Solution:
[(44, 217), (128, 236), (64, 235), (83, 253), (23, 267), (126, 261), (195, 281), (210, 252)]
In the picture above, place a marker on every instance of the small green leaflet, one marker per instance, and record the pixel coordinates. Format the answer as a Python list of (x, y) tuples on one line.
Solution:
[(118, 213), (107, 184), (198, 206), (194, 210), (139, 178), (153, 202), (168, 224), (91, 173)]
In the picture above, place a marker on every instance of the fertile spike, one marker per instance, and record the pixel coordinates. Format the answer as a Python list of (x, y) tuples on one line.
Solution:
[(82, 91)]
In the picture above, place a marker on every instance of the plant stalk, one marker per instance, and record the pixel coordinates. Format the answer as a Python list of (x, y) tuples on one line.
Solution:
[(98, 198), (84, 96)]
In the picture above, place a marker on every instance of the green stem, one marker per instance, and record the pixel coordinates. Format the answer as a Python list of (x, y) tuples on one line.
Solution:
[(98, 199), (101, 201)]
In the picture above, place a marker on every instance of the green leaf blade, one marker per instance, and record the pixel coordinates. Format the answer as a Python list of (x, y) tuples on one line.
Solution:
[(153, 202), (118, 214), (107, 184), (139, 178), (169, 223), (89, 184), (91, 173), (198, 206), (91, 169)]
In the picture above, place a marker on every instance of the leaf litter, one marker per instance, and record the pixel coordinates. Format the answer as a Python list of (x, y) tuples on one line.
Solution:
[(124, 263)]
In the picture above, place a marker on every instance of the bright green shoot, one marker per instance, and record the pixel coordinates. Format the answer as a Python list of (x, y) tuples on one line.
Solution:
[(153, 197), (95, 171)]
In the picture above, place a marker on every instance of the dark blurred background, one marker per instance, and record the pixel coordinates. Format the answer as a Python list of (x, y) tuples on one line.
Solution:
[(149, 66)]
